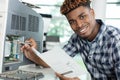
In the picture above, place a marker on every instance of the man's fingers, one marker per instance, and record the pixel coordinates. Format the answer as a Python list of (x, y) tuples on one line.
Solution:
[(63, 77), (76, 78), (32, 42), (66, 78), (60, 76)]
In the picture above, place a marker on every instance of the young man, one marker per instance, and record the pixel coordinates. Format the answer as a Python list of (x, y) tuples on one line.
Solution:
[(97, 43)]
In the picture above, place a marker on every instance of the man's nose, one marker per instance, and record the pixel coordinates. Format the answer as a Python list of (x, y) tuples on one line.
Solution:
[(79, 23)]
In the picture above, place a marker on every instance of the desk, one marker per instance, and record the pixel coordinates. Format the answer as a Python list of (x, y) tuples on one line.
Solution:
[(48, 72), (28, 72)]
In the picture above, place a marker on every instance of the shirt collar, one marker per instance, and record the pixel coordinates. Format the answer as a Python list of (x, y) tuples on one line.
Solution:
[(101, 31)]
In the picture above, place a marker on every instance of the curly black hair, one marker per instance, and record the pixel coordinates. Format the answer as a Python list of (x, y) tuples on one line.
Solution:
[(69, 5)]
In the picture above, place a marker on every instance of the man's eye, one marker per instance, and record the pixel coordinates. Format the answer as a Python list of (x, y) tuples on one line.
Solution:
[(82, 17), (71, 22)]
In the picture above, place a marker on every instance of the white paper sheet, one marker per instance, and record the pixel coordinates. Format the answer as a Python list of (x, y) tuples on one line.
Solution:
[(61, 62)]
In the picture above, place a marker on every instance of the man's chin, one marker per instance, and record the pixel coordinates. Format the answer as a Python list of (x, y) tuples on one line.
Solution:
[(83, 37)]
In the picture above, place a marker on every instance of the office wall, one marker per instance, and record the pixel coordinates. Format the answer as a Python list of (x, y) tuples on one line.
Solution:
[(100, 7)]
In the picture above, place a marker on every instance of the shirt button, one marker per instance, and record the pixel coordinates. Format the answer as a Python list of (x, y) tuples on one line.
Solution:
[(89, 57)]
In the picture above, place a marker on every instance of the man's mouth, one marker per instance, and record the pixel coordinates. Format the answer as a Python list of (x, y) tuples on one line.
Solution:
[(84, 29)]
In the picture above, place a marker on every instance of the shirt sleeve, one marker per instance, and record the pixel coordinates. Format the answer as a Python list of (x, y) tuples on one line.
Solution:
[(116, 59), (71, 47)]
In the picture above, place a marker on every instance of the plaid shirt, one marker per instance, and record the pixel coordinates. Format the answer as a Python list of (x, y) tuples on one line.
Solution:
[(102, 55)]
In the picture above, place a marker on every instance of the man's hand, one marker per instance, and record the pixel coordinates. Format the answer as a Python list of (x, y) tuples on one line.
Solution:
[(28, 52), (61, 77), (26, 48)]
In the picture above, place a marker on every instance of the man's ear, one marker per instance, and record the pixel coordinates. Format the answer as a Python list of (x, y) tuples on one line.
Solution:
[(92, 12)]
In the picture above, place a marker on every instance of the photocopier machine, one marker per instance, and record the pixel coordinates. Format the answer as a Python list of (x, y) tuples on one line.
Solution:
[(17, 23)]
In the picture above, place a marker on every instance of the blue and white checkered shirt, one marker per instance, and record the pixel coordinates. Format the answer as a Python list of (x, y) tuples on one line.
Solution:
[(102, 55)]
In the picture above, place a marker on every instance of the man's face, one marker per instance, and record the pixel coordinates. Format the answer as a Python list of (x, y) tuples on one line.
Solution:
[(82, 21)]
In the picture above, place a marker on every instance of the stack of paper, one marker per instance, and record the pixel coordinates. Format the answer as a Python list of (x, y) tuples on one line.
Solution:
[(61, 62)]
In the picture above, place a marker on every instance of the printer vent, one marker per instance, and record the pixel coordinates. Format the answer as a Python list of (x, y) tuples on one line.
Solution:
[(18, 22), (33, 24), (38, 45)]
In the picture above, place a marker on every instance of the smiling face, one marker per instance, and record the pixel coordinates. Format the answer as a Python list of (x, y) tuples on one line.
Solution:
[(82, 21)]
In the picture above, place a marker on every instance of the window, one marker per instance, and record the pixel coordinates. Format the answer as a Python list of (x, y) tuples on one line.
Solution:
[(112, 13), (58, 25)]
